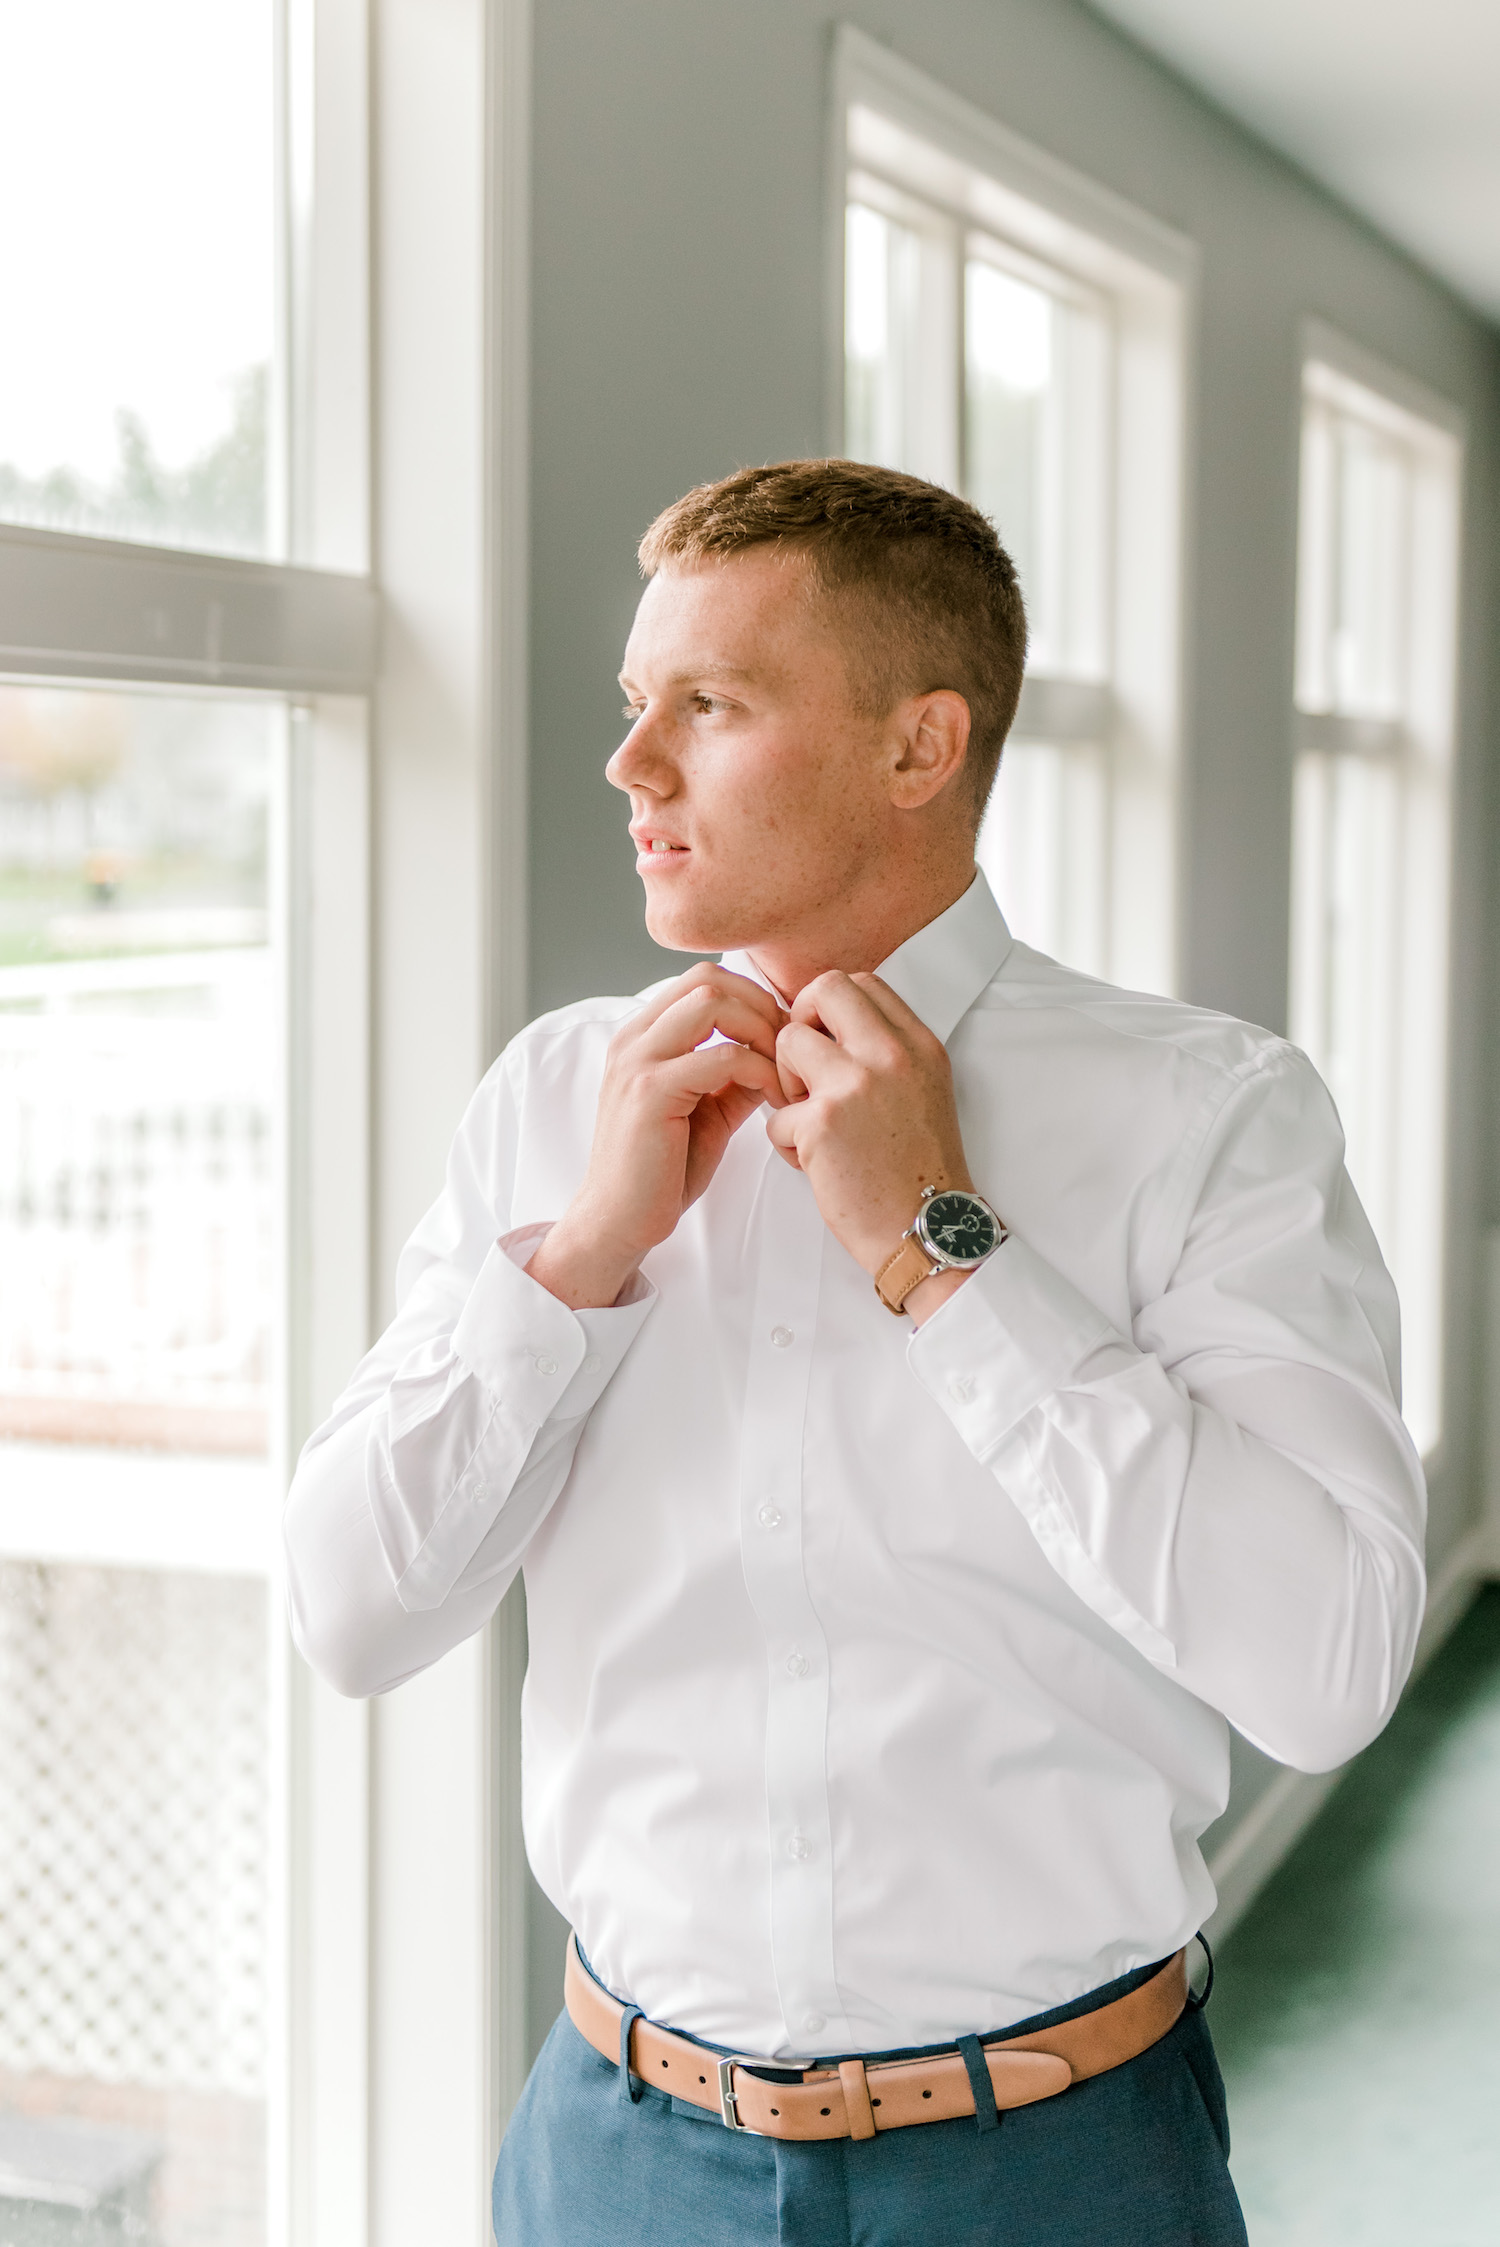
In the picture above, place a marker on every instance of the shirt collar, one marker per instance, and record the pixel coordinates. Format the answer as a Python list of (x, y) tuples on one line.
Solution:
[(941, 970)]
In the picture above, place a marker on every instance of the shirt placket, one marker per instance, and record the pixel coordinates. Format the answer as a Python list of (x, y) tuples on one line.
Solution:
[(772, 1502)]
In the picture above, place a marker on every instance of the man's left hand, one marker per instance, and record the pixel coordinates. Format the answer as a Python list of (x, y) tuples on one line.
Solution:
[(870, 1118)]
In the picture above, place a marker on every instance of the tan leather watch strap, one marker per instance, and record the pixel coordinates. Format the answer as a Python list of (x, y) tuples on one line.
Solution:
[(858, 2099), (900, 1273)]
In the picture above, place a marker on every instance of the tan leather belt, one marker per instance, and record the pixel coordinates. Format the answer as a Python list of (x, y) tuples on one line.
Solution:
[(855, 2101)]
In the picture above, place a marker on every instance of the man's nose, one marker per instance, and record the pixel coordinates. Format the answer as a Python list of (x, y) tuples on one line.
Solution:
[(641, 761)]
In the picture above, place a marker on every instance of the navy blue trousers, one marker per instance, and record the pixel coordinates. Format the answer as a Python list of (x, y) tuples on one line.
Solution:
[(1135, 2158)]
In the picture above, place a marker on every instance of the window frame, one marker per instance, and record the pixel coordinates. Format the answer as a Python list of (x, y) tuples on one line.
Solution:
[(1419, 748), (78, 608), (405, 177), (955, 159)]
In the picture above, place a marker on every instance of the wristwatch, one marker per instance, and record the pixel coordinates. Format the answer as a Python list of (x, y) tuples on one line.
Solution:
[(952, 1232)]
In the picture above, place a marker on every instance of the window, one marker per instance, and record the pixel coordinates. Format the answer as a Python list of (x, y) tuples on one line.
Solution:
[(139, 1147), (136, 387), (1376, 610), (1010, 331), (182, 1109)]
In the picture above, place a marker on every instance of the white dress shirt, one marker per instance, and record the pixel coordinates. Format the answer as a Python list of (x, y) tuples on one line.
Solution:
[(879, 1678)]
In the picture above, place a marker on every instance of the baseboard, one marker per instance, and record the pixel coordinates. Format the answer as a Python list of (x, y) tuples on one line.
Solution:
[(1264, 1837), (1276, 1822), (1472, 1561)]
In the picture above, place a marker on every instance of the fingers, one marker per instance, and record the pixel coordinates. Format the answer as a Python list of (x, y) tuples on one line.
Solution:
[(894, 1008), (804, 1057), (733, 1006), (808, 1006), (709, 973), (790, 1041), (705, 971), (712, 1069), (781, 1127), (846, 1008)]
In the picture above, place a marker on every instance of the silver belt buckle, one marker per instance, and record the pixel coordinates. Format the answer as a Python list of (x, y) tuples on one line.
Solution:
[(729, 2113)]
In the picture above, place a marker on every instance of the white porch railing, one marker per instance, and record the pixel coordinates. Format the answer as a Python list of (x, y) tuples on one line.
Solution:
[(136, 1200)]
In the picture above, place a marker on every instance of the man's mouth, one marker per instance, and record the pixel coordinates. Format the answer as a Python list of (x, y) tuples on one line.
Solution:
[(659, 851)]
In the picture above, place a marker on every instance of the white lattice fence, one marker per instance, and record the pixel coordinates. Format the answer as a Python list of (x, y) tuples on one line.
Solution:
[(133, 1825)]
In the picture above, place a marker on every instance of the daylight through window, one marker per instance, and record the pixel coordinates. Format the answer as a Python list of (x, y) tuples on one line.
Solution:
[(142, 1155), (1375, 638), (138, 270), (996, 349), (139, 1154)]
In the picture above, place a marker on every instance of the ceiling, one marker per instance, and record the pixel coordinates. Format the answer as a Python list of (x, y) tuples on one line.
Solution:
[(1393, 104)]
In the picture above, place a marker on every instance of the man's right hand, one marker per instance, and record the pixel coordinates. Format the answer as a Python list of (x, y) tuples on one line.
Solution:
[(668, 1107)]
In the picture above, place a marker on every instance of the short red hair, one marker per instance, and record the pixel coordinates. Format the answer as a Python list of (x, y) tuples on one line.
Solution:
[(928, 595)]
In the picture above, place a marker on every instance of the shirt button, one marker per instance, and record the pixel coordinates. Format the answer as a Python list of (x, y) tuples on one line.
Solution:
[(799, 1847), (769, 1517), (546, 1365), (813, 2023), (589, 1365), (960, 1388), (783, 1337), (797, 1665)]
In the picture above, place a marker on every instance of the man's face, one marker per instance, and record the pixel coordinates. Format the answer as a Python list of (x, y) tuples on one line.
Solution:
[(756, 787)]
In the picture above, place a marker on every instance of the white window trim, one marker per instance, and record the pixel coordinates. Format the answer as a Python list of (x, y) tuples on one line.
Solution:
[(1320, 343), (78, 608), (506, 193), (1420, 741), (95, 608), (401, 1894), (448, 1884), (412, 1874), (319, 1762), (320, 2137), (1039, 204)]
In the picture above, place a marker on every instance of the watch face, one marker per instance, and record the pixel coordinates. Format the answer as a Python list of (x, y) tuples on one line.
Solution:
[(959, 1226)]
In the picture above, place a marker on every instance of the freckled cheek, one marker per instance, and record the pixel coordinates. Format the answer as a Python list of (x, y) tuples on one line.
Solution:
[(793, 802), (803, 801), (765, 815)]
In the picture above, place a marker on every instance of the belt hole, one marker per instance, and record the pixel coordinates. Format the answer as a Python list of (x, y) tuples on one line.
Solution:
[(874, 2102), (664, 2063), (927, 2094), (825, 2110), (775, 2110), (703, 2079)]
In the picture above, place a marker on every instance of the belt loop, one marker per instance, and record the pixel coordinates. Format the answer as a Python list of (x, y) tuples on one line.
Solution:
[(856, 2099), (630, 2087), (981, 2083), (1196, 2004)]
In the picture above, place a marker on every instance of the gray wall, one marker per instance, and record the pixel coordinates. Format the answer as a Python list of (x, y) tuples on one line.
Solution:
[(680, 330)]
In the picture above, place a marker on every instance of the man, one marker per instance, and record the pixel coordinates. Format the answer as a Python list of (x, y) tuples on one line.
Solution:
[(880, 1664)]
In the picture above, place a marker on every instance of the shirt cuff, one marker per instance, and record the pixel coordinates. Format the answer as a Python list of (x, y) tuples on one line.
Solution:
[(528, 1349), (1015, 1332), (534, 1361)]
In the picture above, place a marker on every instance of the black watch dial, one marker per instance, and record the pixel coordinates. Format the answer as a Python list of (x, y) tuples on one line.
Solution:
[(960, 1226)]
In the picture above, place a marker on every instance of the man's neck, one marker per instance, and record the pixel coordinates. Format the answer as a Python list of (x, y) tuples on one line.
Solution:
[(859, 941)]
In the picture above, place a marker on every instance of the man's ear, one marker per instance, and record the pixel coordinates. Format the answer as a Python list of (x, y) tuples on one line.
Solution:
[(931, 739)]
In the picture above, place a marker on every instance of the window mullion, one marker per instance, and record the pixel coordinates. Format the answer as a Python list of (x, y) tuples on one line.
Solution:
[(101, 608)]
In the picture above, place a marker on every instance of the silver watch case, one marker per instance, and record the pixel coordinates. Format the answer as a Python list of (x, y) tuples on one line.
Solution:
[(943, 1258)]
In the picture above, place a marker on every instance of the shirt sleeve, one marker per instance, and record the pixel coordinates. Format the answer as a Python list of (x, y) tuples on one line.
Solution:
[(1230, 1486), (413, 1505)]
